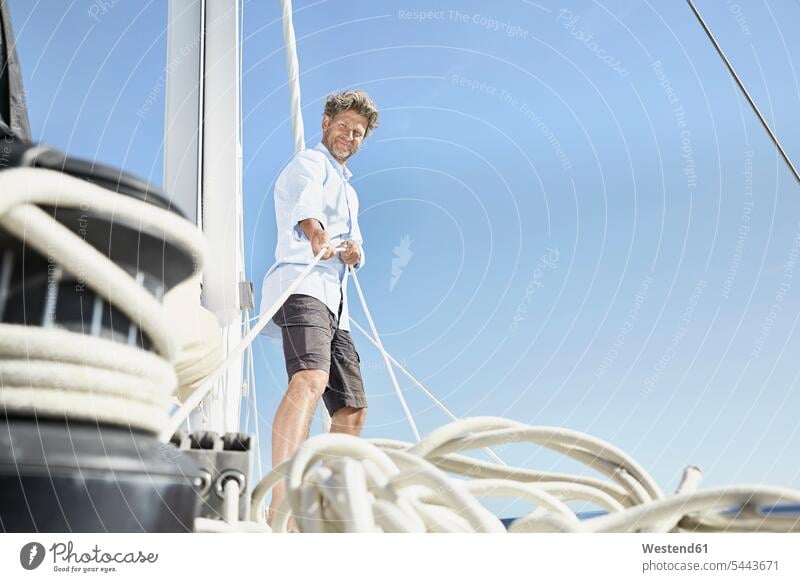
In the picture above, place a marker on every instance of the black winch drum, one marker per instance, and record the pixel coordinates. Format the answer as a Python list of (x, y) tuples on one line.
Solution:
[(61, 475), (32, 282)]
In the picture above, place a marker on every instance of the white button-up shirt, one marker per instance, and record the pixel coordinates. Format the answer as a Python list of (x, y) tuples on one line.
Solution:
[(313, 185)]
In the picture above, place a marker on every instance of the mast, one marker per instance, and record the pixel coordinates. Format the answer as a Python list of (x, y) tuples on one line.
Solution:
[(203, 168), (13, 111)]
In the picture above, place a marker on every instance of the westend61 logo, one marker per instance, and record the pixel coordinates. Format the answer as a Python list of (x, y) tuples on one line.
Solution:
[(66, 559)]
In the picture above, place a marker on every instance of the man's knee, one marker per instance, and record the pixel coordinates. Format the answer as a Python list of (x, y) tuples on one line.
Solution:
[(309, 381)]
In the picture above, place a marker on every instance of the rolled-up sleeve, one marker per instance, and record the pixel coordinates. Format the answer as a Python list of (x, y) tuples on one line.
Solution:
[(305, 179)]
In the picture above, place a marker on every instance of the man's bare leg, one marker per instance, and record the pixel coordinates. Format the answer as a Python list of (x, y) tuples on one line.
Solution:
[(293, 422), (348, 420)]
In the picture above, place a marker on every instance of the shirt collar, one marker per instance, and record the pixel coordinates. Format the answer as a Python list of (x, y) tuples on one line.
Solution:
[(343, 170)]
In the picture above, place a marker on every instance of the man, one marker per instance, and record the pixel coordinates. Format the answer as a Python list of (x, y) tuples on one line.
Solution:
[(316, 208)]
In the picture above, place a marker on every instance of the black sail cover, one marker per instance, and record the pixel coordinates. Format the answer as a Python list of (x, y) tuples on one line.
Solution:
[(13, 112)]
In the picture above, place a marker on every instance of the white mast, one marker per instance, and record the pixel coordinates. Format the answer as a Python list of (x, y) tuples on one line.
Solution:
[(203, 168)]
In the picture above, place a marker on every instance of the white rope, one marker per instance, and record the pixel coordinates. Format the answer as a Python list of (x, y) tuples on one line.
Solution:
[(209, 525), (62, 374), (261, 490), (690, 482), (24, 188), (339, 483), (293, 71), (463, 465), (593, 452), (230, 502), (384, 355), (640, 517), (251, 389), (47, 371)]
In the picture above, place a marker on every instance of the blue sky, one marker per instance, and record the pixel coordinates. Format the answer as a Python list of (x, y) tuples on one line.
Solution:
[(602, 236)]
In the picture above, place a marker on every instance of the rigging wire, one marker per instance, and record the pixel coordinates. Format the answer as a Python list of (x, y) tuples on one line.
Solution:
[(384, 355), (739, 82)]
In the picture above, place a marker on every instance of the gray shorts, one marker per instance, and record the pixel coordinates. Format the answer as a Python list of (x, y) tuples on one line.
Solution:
[(312, 340)]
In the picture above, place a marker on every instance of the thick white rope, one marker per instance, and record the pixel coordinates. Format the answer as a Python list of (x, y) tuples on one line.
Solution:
[(641, 517), (588, 450), (384, 355), (47, 371), (24, 188), (209, 525), (230, 503), (339, 483), (67, 375), (293, 71), (469, 466)]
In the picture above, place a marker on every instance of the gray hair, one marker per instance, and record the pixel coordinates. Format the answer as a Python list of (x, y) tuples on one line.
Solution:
[(358, 101)]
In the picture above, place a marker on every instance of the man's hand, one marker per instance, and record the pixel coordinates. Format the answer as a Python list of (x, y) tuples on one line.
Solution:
[(318, 237), (351, 253)]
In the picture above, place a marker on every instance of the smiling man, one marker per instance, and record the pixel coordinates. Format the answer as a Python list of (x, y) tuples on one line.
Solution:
[(316, 208)]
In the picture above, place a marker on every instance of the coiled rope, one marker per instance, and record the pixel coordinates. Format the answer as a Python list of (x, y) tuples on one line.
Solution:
[(339, 483), (53, 372)]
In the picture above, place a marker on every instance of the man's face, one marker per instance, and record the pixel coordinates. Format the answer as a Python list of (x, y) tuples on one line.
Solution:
[(343, 134)]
